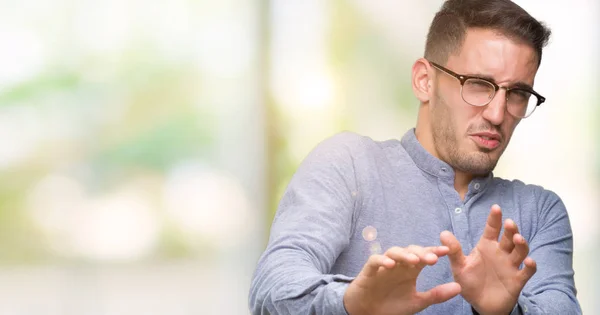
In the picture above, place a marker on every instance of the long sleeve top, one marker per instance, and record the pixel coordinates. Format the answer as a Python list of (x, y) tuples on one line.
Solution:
[(353, 197)]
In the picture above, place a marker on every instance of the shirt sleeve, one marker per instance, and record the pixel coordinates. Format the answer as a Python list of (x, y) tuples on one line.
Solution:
[(552, 289), (312, 226)]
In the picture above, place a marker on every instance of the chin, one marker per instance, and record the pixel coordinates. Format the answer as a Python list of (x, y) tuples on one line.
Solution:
[(476, 163)]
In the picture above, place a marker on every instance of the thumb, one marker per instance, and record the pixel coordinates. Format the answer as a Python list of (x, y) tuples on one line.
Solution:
[(455, 253), (439, 294)]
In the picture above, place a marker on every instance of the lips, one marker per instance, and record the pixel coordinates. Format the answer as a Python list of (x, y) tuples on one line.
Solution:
[(487, 140)]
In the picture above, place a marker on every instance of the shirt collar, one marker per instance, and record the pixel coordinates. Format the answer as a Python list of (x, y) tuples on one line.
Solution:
[(434, 166)]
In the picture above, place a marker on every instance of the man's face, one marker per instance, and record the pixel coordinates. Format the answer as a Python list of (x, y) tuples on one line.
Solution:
[(461, 132)]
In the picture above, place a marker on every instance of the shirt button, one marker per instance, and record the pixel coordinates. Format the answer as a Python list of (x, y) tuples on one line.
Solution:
[(525, 308), (458, 210), (477, 185)]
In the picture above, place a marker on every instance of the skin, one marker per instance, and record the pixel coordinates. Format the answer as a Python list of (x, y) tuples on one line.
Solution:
[(446, 121), (488, 278), (387, 283)]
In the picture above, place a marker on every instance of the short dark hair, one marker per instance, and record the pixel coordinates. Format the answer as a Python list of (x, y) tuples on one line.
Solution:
[(450, 24)]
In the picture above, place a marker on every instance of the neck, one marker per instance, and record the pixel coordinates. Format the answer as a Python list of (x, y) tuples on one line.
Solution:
[(424, 134), (461, 183)]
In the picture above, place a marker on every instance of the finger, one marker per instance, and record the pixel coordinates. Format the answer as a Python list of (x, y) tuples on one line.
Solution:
[(439, 294), (375, 262), (455, 253), (401, 255), (440, 251), (493, 224), (506, 242), (521, 249), (425, 254), (528, 270)]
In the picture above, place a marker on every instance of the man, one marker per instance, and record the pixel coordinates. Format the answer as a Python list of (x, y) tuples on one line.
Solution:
[(353, 196)]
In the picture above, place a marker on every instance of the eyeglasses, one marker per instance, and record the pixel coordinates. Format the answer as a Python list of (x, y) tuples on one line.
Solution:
[(521, 102)]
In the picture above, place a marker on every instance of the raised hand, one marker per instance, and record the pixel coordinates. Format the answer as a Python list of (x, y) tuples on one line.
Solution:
[(387, 283), (490, 277)]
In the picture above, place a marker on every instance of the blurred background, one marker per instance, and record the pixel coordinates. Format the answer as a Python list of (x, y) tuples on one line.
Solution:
[(145, 144)]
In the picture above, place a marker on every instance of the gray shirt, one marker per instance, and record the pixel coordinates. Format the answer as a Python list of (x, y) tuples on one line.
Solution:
[(353, 196)]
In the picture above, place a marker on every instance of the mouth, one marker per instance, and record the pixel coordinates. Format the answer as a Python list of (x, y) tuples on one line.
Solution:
[(486, 140)]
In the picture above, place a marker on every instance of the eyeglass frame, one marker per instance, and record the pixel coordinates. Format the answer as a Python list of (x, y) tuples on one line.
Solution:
[(463, 78)]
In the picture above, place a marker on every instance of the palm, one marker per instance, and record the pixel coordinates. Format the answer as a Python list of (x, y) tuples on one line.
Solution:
[(487, 277), (387, 284), (490, 277), (399, 285)]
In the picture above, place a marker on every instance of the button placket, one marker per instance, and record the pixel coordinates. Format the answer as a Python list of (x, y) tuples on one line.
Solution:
[(455, 209)]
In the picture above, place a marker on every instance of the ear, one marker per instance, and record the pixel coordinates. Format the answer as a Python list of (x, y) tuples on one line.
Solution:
[(422, 82)]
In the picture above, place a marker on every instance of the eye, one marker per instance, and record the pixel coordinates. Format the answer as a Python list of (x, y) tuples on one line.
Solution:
[(477, 85), (519, 95)]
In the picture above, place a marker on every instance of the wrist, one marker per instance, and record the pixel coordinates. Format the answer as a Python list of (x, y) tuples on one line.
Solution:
[(475, 312), (353, 305)]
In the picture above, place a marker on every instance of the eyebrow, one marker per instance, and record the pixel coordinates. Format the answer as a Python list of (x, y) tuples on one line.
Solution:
[(518, 85)]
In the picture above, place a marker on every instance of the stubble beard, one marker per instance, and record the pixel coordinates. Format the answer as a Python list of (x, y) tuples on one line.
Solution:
[(447, 143)]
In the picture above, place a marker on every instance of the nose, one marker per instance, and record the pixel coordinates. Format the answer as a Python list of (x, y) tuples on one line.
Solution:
[(495, 111)]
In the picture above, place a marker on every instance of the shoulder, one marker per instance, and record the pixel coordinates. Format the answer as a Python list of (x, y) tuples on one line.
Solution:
[(523, 190), (342, 141), (536, 200), (350, 139), (348, 145), (346, 156)]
